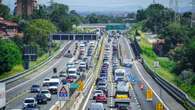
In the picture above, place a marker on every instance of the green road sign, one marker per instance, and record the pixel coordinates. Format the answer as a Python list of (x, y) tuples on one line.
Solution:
[(115, 27), (74, 86)]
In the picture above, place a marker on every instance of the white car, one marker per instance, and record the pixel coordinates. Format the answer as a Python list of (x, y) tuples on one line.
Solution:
[(97, 92), (96, 106), (46, 93), (29, 102), (46, 81), (127, 62)]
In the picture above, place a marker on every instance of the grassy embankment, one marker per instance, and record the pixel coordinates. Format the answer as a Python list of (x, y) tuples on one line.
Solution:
[(166, 66), (19, 68)]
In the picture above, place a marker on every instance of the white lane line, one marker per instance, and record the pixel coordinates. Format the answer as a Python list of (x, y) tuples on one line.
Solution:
[(21, 84), (146, 81), (88, 96)]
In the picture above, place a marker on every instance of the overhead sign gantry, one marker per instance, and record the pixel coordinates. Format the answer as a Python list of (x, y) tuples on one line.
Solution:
[(74, 36)]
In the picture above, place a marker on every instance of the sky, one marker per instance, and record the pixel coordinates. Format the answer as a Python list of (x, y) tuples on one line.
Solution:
[(108, 5)]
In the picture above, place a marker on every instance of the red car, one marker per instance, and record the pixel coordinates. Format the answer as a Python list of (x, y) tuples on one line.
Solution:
[(69, 79), (101, 98)]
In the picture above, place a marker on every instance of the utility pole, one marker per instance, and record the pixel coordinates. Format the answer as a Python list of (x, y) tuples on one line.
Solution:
[(193, 14)]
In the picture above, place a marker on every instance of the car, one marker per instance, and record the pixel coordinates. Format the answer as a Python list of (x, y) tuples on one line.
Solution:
[(41, 98), (55, 76), (103, 76), (102, 85), (127, 62), (29, 102), (96, 92), (35, 88), (63, 74), (69, 79), (101, 98), (46, 93), (46, 81), (82, 66), (96, 106)]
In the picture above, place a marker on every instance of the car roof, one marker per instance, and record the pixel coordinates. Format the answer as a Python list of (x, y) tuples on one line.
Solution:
[(29, 98), (97, 106)]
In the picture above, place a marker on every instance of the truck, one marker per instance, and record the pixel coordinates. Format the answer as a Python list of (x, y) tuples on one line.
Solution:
[(122, 95), (2, 96)]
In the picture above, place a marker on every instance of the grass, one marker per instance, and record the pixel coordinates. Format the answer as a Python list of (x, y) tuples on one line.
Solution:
[(19, 68), (166, 67), (16, 69)]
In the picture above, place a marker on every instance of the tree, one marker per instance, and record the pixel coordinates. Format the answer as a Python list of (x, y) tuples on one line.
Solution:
[(37, 32), (5, 11), (60, 17), (40, 13), (174, 34), (10, 55), (140, 15)]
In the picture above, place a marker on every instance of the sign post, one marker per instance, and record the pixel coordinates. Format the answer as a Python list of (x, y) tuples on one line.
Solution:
[(63, 94), (81, 86), (149, 94)]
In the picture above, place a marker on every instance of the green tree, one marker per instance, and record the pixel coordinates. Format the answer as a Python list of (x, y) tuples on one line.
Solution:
[(60, 16), (140, 15), (5, 11), (174, 34), (10, 55), (36, 32), (40, 13)]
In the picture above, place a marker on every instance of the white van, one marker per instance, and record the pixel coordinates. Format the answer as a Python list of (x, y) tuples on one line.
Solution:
[(53, 84), (72, 72)]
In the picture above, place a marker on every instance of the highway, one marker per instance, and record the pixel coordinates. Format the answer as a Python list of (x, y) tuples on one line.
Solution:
[(16, 93), (142, 76), (137, 76)]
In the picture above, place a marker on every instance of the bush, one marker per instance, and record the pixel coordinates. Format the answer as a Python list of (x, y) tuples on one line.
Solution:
[(10, 55)]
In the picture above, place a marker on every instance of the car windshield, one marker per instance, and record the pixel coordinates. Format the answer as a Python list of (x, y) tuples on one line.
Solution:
[(101, 84), (44, 92), (53, 84), (29, 101), (35, 86), (119, 74)]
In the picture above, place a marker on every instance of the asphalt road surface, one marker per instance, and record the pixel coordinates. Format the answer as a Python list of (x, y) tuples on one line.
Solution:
[(141, 76), (18, 92)]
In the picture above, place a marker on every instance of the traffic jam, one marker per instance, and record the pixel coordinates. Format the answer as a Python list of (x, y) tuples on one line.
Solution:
[(112, 90), (77, 68)]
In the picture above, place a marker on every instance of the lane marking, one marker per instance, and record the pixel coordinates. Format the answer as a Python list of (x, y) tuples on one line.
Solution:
[(139, 72)]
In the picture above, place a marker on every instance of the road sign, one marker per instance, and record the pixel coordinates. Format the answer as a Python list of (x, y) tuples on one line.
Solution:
[(159, 106), (63, 92), (74, 86), (149, 94), (81, 85)]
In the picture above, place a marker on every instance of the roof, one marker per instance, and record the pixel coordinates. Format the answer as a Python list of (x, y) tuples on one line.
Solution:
[(120, 70), (7, 22)]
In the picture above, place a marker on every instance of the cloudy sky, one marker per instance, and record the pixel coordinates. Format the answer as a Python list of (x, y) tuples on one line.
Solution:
[(108, 5)]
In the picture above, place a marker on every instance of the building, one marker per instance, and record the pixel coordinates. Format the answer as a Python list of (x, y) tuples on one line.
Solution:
[(25, 7), (8, 28)]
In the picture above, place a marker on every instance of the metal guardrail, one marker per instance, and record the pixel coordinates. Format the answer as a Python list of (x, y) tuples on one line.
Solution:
[(26, 72), (174, 91)]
